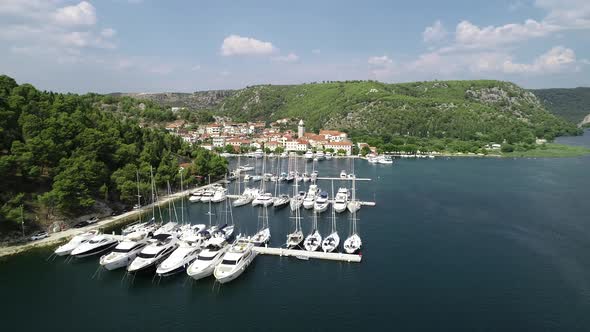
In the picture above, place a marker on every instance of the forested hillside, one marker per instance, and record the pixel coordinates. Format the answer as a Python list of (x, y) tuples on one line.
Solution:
[(571, 104), (60, 154), (451, 115)]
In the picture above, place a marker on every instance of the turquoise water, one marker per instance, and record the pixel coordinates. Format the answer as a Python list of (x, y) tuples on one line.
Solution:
[(457, 244)]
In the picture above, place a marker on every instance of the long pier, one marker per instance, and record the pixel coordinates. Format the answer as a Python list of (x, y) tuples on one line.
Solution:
[(304, 254)]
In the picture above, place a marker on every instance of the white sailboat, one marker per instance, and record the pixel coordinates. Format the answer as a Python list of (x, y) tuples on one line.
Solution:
[(280, 200), (295, 238), (332, 241), (314, 240), (354, 205), (353, 243), (262, 237)]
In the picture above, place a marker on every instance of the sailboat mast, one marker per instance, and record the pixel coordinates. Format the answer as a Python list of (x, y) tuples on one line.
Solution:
[(181, 199), (333, 211), (138, 195)]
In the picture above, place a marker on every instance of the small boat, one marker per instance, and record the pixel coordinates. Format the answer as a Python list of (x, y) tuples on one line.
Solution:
[(284, 155), (306, 177), (257, 178), (207, 195), (314, 176), (328, 156), (75, 242), (351, 176), (332, 241), (245, 168), (297, 201), (343, 174), (247, 177), (196, 196), (258, 154), (308, 155), (320, 155), (303, 258), (95, 245), (219, 196), (372, 160), (386, 160), (235, 261), (321, 203)]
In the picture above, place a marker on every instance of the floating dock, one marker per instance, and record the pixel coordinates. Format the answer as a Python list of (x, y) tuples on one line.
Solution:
[(304, 254)]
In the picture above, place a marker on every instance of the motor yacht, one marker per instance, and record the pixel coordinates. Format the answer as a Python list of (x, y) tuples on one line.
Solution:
[(245, 168), (219, 196), (257, 178), (208, 258), (310, 197), (186, 252), (308, 155), (264, 199), (95, 245), (258, 153), (126, 251), (158, 248), (247, 197), (341, 200), (320, 155), (235, 261), (328, 155), (321, 202), (75, 242), (386, 160), (208, 195)]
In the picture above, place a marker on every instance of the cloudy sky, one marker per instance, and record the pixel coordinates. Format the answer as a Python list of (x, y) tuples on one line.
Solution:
[(157, 45)]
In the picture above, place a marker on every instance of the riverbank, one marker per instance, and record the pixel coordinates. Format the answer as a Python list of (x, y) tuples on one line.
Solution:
[(57, 238)]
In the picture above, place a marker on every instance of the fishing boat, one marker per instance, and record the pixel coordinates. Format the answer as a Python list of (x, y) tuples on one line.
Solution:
[(314, 240)]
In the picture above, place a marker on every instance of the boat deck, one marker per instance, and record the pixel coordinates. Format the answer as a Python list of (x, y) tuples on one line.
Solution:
[(332, 256), (363, 203)]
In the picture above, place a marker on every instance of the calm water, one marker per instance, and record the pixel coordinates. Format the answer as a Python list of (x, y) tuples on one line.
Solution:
[(453, 245)]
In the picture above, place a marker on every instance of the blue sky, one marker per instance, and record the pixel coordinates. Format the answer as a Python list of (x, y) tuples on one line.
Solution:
[(156, 45)]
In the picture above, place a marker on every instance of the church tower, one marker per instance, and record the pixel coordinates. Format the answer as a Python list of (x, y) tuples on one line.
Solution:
[(300, 129)]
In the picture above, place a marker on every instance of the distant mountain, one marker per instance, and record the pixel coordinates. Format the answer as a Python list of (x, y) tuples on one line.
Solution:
[(196, 100), (571, 104)]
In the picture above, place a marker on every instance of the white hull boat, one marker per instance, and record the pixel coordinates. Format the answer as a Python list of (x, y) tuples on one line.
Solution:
[(235, 261), (96, 245), (204, 265), (75, 242), (126, 251)]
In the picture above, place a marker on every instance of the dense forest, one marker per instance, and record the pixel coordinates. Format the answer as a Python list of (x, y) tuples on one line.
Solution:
[(571, 104), (440, 115), (62, 154)]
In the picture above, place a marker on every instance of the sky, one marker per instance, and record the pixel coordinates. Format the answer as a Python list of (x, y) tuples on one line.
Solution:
[(156, 45)]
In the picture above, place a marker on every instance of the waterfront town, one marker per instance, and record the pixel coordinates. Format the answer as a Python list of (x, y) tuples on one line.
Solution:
[(250, 136)]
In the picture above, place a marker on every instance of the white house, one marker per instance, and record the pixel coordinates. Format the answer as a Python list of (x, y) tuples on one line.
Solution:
[(296, 145), (218, 142), (336, 146)]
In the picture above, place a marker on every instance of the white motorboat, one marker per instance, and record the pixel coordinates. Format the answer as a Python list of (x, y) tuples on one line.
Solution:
[(196, 196), (351, 176), (328, 155), (264, 199), (247, 177), (386, 160), (168, 228), (245, 168), (159, 247), (219, 196), (310, 198), (208, 195), (321, 202), (308, 155), (208, 258), (314, 240), (372, 160), (235, 261), (180, 258), (306, 177), (258, 153), (247, 197), (343, 174), (284, 155), (314, 176), (320, 155), (341, 200), (332, 241), (126, 251), (75, 242), (297, 201), (256, 178), (281, 201), (95, 245)]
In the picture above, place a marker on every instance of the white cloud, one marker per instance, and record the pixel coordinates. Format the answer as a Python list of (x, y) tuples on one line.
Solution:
[(237, 45), (379, 61), (108, 32), (567, 14), (470, 35), (83, 13), (557, 59), (291, 57), (434, 33), (316, 51)]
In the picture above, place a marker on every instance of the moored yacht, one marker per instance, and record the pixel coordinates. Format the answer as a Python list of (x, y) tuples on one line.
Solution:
[(196, 196), (208, 258), (328, 155), (281, 201), (309, 199), (159, 247), (75, 242), (341, 200), (126, 251), (313, 241), (308, 155), (258, 153), (297, 201), (343, 174), (385, 160), (246, 198), (264, 199), (180, 258), (219, 195), (95, 245), (235, 261), (245, 168), (321, 203), (320, 155), (332, 241)]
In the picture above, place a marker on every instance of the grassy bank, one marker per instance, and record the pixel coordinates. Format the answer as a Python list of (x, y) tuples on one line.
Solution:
[(551, 150)]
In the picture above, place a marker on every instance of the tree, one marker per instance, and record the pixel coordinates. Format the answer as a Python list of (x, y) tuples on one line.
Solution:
[(229, 148), (279, 150), (365, 150), (341, 152), (507, 147)]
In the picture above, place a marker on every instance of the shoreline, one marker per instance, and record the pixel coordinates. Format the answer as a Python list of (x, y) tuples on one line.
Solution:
[(57, 238)]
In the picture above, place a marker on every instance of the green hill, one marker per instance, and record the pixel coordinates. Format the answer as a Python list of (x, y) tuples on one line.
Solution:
[(571, 104), (65, 155), (475, 111)]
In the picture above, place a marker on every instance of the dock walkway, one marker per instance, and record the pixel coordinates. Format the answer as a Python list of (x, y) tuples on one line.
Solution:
[(332, 256)]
